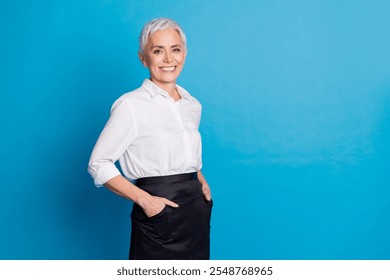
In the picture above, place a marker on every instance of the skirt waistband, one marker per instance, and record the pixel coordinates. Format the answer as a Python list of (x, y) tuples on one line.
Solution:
[(166, 179)]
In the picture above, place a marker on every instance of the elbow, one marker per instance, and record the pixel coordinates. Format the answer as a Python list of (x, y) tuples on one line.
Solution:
[(101, 172), (92, 171)]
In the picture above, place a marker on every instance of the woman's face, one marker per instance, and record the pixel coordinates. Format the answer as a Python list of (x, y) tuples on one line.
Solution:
[(164, 56)]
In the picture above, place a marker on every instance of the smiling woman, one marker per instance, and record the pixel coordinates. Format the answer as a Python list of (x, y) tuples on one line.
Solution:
[(153, 132), (164, 55)]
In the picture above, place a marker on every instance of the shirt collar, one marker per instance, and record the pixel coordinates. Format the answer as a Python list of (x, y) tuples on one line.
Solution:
[(153, 90)]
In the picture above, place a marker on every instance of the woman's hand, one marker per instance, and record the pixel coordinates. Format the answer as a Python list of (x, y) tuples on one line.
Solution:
[(206, 191), (205, 186), (152, 205)]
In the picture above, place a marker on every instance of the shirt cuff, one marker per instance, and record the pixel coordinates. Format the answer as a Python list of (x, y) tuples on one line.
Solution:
[(104, 174)]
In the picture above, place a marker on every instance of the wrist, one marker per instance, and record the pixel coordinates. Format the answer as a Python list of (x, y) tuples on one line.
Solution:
[(142, 198)]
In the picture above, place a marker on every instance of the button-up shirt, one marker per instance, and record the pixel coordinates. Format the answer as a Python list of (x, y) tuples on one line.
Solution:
[(150, 134)]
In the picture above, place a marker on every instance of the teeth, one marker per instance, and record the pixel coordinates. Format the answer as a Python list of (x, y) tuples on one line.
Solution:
[(168, 68)]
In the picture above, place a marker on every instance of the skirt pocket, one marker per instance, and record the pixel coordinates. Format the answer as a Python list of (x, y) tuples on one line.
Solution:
[(161, 224)]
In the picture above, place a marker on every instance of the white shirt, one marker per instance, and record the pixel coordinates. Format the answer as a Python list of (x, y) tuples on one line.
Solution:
[(150, 134)]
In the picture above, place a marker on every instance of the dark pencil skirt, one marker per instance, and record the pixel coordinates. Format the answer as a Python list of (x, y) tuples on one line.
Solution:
[(174, 233)]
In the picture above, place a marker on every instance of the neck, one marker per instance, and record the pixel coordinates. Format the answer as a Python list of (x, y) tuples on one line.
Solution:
[(170, 88)]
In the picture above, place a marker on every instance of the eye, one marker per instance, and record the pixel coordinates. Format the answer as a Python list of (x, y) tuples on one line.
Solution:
[(177, 50), (157, 51)]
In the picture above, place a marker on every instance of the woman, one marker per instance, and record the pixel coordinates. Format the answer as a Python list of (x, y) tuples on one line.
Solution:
[(153, 131)]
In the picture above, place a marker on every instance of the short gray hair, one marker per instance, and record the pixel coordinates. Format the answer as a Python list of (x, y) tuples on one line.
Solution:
[(156, 25)]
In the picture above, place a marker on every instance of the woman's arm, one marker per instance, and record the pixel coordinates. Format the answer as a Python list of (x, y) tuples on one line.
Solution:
[(152, 205), (205, 186)]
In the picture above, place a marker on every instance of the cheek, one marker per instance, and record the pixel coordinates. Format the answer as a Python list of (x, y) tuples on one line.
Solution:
[(180, 58), (154, 61)]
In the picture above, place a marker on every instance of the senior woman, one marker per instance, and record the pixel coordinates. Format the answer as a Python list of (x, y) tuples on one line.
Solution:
[(153, 132)]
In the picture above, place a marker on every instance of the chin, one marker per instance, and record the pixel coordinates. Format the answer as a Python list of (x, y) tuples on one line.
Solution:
[(169, 79)]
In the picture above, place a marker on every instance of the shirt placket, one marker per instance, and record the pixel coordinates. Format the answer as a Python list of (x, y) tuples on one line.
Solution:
[(185, 137)]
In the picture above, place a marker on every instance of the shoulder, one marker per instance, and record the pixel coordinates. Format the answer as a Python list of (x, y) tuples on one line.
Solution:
[(131, 97), (185, 94), (134, 95)]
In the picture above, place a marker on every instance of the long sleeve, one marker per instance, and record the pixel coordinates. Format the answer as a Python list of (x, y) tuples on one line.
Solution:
[(116, 137)]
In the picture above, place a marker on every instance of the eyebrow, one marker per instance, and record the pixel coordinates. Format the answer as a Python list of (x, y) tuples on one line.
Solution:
[(161, 47)]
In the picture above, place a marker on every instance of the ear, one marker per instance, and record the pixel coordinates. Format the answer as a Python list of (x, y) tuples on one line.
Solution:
[(143, 59)]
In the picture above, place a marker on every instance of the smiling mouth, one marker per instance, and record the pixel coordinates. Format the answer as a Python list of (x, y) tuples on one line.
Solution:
[(168, 69)]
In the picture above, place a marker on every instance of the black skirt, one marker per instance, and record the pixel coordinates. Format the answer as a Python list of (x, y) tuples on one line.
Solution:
[(181, 233)]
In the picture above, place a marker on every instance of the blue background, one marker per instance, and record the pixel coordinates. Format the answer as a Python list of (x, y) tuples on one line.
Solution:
[(295, 125)]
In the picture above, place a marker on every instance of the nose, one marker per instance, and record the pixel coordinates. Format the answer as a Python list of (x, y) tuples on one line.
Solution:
[(167, 57)]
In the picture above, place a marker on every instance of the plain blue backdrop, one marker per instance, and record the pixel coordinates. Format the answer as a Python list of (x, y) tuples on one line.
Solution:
[(295, 124)]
